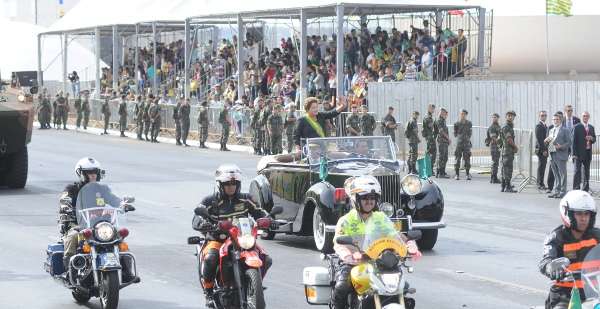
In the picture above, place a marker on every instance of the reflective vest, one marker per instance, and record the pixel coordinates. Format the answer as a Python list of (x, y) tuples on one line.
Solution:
[(576, 252), (353, 225)]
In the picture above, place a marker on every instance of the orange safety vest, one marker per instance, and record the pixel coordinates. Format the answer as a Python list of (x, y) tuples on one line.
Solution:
[(571, 250)]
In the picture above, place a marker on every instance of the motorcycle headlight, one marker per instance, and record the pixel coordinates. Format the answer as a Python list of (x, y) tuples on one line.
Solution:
[(246, 241), (105, 231), (411, 184), (387, 209), (391, 281)]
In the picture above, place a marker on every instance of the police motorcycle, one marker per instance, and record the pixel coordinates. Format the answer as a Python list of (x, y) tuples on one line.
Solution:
[(378, 282), (238, 283), (103, 264), (589, 272)]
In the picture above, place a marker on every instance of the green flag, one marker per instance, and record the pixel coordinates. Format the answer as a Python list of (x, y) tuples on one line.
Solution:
[(425, 169), (323, 168), (575, 302), (558, 7)]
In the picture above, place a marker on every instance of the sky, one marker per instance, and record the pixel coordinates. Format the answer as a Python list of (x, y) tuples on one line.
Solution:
[(534, 7)]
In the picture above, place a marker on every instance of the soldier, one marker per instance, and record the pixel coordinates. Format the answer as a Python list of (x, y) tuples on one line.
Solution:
[(123, 115), (155, 119), (264, 117), (140, 107), (367, 122), (203, 124), (463, 129), (353, 122), (389, 125), (184, 112), (105, 109), (412, 134), (256, 126), (290, 125), (85, 107), (45, 112), (275, 127), (63, 111), (177, 119), (491, 140), (147, 120), (509, 148), (443, 140), (225, 122), (55, 113), (79, 111), (430, 133)]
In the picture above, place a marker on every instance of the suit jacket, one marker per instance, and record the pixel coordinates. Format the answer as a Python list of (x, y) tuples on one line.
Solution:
[(579, 142), (575, 122), (541, 132), (563, 138)]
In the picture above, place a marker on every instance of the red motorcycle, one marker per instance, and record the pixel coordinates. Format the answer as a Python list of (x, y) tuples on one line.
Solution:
[(238, 283)]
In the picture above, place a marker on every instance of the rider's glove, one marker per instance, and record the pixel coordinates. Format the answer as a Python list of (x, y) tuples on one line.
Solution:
[(556, 267), (206, 226)]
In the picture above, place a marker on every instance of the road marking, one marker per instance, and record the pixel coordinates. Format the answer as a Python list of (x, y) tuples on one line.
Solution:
[(494, 281)]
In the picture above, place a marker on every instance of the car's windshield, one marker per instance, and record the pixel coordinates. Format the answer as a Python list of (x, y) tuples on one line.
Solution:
[(95, 203), (341, 148)]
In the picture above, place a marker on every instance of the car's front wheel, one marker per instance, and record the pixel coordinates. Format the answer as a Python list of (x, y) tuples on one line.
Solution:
[(428, 239), (323, 239)]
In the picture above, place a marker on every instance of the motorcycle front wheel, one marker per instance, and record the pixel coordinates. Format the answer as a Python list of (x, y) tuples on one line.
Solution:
[(109, 290), (254, 289)]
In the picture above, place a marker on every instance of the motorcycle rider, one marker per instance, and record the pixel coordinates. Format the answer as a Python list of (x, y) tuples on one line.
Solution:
[(88, 170), (567, 245), (227, 203), (364, 193)]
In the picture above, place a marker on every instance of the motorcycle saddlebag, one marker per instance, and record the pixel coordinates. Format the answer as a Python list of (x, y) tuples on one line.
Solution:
[(317, 285), (54, 259)]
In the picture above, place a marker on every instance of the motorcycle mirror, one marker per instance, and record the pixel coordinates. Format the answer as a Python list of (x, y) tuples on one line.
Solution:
[(344, 240), (263, 223), (414, 235), (128, 199), (202, 212), (128, 207), (194, 240), (276, 210)]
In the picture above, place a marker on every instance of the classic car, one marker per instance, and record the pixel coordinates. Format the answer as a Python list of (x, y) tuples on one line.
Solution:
[(310, 189)]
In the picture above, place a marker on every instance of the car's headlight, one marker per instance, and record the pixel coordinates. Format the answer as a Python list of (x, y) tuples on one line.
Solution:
[(105, 231), (387, 209), (246, 241), (411, 184)]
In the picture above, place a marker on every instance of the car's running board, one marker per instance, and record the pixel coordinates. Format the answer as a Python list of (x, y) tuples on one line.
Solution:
[(428, 225)]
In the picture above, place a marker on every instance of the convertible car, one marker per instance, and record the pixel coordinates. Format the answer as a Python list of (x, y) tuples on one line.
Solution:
[(310, 189)]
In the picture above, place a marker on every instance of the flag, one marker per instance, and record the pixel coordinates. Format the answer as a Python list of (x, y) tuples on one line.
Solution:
[(425, 169), (558, 7), (575, 302), (323, 168)]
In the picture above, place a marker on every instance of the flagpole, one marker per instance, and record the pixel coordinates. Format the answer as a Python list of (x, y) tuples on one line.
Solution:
[(547, 43)]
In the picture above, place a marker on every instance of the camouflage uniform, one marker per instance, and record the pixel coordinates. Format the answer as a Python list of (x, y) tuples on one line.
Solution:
[(185, 122), (290, 125), (258, 131), (63, 111), (106, 112), (491, 140), (443, 141), (353, 122), (55, 116), (140, 107), (507, 137), (463, 131), (430, 134), (388, 119), (123, 117), (412, 134), (275, 125), (45, 113), (177, 119), (146, 119), (368, 124), (79, 111), (225, 123), (155, 119), (203, 126), (85, 106), (264, 117)]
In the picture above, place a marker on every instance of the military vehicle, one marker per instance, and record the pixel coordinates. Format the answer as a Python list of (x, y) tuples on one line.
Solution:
[(16, 122)]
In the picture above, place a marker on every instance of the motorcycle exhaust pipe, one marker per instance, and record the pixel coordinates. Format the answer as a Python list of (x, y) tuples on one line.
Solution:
[(78, 262)]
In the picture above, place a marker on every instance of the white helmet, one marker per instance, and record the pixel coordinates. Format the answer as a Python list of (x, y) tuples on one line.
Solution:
[(573, 201), (356, 187), (88, 164), (226, 173)]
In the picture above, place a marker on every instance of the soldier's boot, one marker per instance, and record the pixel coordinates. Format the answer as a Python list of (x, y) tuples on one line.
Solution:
[(468, 174), (503, 186), (457, 174), (178, 142), (510, 188), (123, 134), (147, 139), (494, 179)]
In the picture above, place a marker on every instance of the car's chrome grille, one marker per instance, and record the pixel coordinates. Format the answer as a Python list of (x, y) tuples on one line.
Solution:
[(390, 189)]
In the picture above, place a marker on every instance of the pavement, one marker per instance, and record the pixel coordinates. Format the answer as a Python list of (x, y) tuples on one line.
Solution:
[(486, 258)]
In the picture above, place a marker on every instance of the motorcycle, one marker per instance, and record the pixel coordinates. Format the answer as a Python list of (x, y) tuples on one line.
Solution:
[(102, 265), (238, 283), (590, 276), (379, 279)]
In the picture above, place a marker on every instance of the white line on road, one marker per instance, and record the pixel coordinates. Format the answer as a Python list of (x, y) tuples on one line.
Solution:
[(494, 281)]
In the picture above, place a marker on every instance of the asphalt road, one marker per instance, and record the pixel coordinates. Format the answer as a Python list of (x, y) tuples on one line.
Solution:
[(486, 257)]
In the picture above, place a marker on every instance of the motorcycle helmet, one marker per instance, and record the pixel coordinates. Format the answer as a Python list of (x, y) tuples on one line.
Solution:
[(359, 187), (574, 201), (88, 165), (228, 173)]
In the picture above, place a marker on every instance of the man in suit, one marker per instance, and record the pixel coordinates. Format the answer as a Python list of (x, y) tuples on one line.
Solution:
[(584, 136), (559, 142), (541, 150), (570, 121), (550, 181)]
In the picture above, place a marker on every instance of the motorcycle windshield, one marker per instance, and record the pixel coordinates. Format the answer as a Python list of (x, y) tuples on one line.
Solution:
[(244, 225), (590, 273), (96, 203), (380, 235)]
